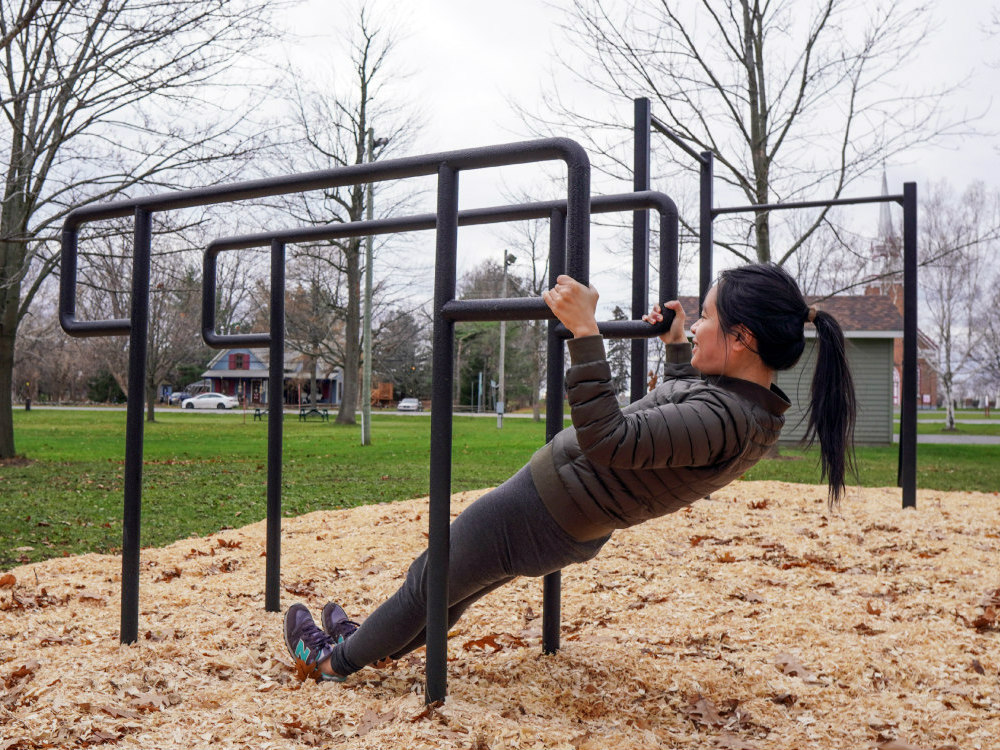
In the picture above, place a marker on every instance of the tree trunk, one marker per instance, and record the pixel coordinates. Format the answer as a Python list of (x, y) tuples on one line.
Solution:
[(352, 335), (7, 333), (949, 399), (150, 391), (11, 255), (314, 382)]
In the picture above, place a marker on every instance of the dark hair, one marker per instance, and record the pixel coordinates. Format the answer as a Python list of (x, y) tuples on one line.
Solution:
[(765, 299)]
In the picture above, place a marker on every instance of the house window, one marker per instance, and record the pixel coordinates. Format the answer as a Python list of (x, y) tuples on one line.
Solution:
[(238, 362)]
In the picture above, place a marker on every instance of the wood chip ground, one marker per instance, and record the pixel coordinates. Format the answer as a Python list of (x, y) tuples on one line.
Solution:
[(755, 619)]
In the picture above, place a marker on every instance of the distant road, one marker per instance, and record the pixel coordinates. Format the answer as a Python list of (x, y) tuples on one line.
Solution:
[(933, 439)]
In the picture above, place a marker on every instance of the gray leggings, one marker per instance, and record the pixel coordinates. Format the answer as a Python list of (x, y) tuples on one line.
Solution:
[(506, 533)]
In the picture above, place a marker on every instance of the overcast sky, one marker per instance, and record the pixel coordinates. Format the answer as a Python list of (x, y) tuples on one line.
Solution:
[(470, 60)]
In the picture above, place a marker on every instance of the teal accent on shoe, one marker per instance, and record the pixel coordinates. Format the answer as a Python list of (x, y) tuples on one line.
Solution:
[(302, 652)]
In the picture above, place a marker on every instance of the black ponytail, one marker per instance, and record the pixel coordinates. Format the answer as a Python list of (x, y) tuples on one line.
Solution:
[(765, 299), (832, 406)]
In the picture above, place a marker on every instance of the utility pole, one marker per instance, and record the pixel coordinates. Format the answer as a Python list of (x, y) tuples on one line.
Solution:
[(508, 259), (366, 377)]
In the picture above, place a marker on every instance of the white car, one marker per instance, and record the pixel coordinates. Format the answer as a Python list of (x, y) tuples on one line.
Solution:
[(211, 401), (409, 404)]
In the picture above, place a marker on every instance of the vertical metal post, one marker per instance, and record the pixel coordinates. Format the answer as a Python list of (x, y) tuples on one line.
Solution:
[(138, 340), (366, 378), (908, 396), (502, 384), (705, 233), (555, 377), (439, 515), (275, 427), (640, 247)]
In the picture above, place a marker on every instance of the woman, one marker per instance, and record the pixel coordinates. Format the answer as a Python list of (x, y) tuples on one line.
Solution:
[(715, 414)]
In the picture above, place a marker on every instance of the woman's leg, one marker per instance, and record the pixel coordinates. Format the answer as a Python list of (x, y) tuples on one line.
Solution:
[(504, 534)]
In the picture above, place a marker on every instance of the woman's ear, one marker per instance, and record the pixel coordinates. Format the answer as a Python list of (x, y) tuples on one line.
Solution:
[(744, 339)]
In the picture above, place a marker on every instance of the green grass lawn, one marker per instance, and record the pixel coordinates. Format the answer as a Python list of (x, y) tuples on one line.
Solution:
[(205, 472)]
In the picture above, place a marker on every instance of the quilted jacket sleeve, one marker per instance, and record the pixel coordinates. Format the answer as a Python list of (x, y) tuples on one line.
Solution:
[(683, 423)]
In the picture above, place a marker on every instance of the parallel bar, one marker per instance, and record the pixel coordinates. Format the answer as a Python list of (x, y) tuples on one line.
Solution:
[(808, 204), (908, 396), (555, 376), (578, 198), (640, 247), (705, 226), (443, 373), (504, 154), (132, 514), (517, 308), (275, 429)]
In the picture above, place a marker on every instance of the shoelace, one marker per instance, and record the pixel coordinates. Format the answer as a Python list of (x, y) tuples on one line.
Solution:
[(343, 630), (315, 639)]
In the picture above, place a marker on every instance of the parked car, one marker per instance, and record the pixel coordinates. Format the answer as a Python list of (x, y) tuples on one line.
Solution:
[(211, 401), (409, 404), (178, 396)]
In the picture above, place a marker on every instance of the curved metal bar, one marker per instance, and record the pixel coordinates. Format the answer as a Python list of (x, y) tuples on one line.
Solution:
[(518, 308), (546, 149)]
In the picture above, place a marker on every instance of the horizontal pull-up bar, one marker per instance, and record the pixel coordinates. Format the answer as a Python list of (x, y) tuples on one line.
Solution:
[(505, 154), (809, 204)]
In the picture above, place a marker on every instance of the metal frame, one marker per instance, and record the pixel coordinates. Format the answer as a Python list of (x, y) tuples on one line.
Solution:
[(531, 308), (644, 121), (569, 238), (446, 165)]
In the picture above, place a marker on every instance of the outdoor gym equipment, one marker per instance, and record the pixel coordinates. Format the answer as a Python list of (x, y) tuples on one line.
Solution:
[(569, 248)]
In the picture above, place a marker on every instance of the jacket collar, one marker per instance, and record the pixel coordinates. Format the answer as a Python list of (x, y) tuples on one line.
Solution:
[(772, 399)]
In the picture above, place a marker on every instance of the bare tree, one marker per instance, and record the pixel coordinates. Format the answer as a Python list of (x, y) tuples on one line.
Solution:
[(529, 242), (794, 99), (341, 127), (960, 238), (174, 319), (97, 98)]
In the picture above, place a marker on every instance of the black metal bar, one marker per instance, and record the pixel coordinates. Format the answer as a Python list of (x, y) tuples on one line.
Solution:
[(908, 396), (439, 514), (705, 226), (511, 308), (208, 301), (578, 197), (524, 308), (138, 339), (555, 376), (67, 296), (504, 154), (640, 247), (275, 429), (662, 128), (808, 204)]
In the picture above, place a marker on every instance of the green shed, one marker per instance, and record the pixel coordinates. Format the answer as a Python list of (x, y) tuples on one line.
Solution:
[(871, 324)]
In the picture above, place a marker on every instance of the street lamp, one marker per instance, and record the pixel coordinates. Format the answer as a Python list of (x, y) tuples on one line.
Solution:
[(366, 378), (508, 260)]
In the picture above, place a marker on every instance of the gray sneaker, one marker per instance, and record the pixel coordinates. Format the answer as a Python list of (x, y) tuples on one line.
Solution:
[(336, 624), (307, 644)]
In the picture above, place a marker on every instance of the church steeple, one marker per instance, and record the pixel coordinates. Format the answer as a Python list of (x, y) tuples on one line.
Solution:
[(887, 253), (886, 233)]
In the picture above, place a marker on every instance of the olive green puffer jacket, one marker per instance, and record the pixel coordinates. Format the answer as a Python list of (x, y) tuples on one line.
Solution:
[(688, 437)]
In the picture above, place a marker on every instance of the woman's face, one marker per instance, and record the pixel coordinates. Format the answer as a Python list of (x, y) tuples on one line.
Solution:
[(711, 347)]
